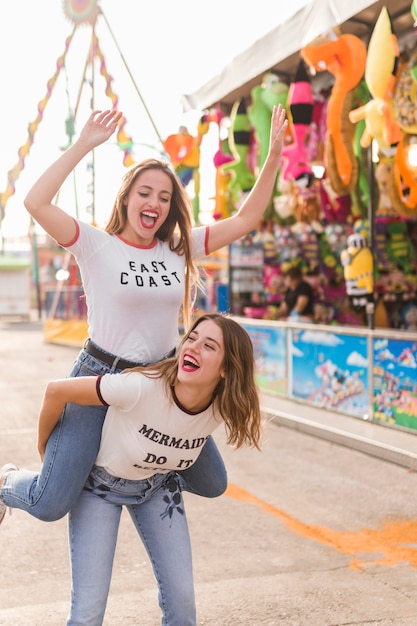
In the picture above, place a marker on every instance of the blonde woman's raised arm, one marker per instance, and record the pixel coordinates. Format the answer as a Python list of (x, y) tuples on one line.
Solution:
[(39, 200)]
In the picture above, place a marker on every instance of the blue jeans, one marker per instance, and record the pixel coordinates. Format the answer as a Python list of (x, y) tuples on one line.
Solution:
[(70, 454), (156, 508)]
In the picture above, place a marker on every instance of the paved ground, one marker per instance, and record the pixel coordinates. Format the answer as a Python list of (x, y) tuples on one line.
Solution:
[(309, 533)]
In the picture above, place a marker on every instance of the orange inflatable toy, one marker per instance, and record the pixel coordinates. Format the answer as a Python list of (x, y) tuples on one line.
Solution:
[(184, 152), (405, 187), (183, 149), (343, 56), (405, 113)]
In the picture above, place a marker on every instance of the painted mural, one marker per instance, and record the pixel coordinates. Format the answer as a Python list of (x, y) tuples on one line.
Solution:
[(331, 370), (271, 356), (395, 382)]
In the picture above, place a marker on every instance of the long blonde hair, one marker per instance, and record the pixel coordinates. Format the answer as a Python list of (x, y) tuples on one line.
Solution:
[(236, 395), (176, 229)]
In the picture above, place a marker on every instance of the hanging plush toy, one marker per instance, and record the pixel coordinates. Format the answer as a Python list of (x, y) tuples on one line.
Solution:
[(300, 103), (344, 57), (223, 205), (184, 152), (223, 200), (264, 97), (317, 133), (243, 178), (396, 185), (335, 208), (385, 182), (380, 76), (357, 262), (360, 193)]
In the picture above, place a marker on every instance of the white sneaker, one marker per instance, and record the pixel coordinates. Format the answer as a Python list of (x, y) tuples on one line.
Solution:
[(9, 467)]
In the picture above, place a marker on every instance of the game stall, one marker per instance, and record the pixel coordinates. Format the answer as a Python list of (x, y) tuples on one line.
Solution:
[(345, 206)]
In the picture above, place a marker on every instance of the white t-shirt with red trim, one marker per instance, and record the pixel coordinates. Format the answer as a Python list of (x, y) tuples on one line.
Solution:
[(146, 431), (133, 294)]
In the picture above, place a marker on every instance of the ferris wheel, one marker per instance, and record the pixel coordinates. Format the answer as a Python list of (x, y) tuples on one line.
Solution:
[(80, 13)]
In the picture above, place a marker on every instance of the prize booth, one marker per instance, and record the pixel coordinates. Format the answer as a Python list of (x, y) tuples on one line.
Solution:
[(344, 210)]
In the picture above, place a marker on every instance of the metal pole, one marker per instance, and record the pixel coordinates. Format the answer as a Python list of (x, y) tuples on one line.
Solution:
[(370, 307), (35, 268), (133, 80)]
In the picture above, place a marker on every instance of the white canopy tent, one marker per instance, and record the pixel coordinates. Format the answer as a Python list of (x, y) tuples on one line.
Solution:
[(278, 50)]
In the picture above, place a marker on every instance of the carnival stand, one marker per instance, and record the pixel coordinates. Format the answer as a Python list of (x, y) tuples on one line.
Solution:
[(344, 209)]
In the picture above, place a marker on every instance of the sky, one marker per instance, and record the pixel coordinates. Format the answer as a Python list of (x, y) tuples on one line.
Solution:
[(153, 53)]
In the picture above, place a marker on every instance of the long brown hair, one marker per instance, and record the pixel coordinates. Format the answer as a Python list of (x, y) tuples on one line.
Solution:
[(236, 395), (176, 229)]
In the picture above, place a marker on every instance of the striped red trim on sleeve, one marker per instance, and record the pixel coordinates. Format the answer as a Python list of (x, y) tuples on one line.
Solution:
[(100, 397), (206, 240), (71, 243)]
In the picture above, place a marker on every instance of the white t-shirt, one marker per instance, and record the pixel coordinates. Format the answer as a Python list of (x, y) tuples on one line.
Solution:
[(145, 431), (133, 293)]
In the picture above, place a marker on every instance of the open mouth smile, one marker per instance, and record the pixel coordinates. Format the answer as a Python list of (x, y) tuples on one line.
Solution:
[(148, 218), (189, 363)]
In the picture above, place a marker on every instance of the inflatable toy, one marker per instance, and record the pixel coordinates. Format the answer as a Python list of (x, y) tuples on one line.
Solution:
[(223, 205), (380, 71), (413, 10), (183, 150), (317, 133), (343, 56), (405, 180), (243, 178), (223, 201), (300, 103), (264, 97), (360, 193)]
